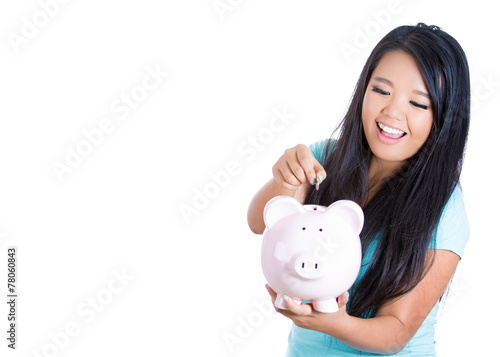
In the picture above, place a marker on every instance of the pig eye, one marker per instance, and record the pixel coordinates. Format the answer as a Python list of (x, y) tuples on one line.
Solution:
[(315, 208), (321, 229), (303, 228)]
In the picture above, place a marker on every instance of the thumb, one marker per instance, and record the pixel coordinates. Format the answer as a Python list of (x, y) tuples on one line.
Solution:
[(343, 299), (320, 171)]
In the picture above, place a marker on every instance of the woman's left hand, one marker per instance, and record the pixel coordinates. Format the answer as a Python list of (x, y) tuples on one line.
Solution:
[(304, 315)]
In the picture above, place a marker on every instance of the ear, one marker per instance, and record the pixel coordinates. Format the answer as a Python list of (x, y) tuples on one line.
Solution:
[(280, 207), (349, 212)]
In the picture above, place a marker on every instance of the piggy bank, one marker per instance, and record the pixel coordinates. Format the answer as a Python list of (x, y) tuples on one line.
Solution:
[(311, 252)]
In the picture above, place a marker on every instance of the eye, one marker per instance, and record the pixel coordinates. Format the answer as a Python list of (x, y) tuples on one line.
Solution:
[(321, 229), (380, 91), (418, 105), (303, 228)]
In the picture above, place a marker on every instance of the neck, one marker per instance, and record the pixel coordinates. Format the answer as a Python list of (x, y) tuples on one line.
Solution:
[(379, 171)]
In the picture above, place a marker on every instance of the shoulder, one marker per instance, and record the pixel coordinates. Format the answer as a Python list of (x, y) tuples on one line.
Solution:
[(320, 149), (452, 232)]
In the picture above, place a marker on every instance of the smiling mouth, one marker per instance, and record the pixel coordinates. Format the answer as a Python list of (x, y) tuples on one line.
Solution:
[(390, 132)]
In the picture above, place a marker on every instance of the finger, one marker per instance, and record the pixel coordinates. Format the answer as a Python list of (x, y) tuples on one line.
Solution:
[(299, 175), (291, 165), (297, 309), (320, 171), (343, 299), (285, 177), (272, 293), (308, 164)]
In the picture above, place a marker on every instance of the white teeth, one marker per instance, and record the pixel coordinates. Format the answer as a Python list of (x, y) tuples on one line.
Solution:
[(390, 130)]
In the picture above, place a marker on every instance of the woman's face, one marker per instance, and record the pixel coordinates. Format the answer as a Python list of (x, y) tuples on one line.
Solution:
[(397, 114)]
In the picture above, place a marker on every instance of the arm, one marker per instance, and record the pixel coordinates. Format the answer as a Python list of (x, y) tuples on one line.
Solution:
[(394, 324), (293, 174)]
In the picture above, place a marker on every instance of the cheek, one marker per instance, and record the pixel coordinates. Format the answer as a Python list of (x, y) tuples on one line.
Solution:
[(366, 112), (421, 128)]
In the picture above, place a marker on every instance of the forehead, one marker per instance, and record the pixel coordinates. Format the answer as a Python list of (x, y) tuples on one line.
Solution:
[(399, 67)]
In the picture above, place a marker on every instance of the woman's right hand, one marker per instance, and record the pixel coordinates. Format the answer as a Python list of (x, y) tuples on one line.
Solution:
[(298, 167), (295, 169)]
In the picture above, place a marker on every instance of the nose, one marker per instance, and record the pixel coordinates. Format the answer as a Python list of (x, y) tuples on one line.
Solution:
[(395, 109), (308, 267)]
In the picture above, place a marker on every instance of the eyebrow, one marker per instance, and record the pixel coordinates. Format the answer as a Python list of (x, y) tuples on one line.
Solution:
[(389, 83)]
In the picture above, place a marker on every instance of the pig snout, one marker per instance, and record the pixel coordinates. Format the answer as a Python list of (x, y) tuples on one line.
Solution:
[(308, 267)]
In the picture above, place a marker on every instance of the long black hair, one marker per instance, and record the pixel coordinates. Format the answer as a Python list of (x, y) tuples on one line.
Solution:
[(403, 214)]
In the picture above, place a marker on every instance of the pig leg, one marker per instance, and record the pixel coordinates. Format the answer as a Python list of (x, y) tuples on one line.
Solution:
[(280, 303), (326, 306)]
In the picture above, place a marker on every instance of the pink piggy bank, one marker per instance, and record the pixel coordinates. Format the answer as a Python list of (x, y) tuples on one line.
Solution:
[(311, 252)]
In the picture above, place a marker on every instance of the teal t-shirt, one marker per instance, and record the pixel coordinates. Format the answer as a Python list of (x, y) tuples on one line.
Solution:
[(451, 234)]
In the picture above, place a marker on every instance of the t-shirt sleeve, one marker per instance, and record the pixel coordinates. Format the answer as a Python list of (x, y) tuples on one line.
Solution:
[(452, 232), (318, 150)]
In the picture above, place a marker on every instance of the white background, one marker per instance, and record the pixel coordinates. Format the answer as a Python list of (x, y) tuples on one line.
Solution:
[(194, 281)]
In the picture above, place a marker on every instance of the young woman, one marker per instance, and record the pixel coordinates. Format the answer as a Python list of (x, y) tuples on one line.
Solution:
[(399, 155)]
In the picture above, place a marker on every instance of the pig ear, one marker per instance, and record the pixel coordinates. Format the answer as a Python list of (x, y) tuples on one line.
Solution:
[(349, 212), (280, 207)]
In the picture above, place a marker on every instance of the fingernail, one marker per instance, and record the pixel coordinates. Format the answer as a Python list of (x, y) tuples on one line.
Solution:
[(347, 297), (267, 288), (299, 188), (320, 178), (285, 297), (312, 181)]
